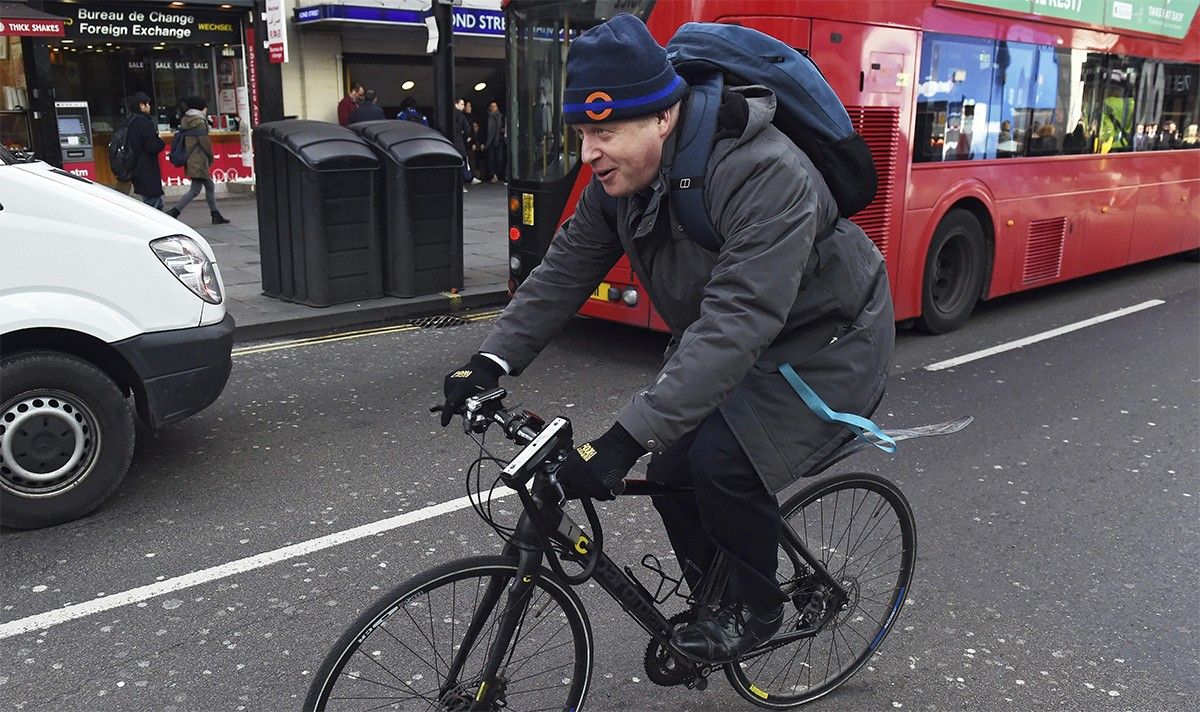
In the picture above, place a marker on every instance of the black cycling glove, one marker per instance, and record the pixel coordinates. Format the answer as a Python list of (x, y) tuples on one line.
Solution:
[(480, 374), (594, 468)]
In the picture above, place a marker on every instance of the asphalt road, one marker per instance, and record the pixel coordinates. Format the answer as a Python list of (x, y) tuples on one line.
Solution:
[(1058, 544)]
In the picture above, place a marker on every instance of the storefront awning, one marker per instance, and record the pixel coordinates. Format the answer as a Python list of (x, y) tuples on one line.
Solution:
[(19, 20), (485, 21), (223, 4)]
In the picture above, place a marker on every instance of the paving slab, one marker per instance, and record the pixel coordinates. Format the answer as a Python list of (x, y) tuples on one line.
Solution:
[(485, 271)]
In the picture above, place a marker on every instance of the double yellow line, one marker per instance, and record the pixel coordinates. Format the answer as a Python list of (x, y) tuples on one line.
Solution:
[(347, 335)]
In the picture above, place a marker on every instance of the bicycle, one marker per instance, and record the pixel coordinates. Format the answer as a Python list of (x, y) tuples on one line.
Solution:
[(444, 639)]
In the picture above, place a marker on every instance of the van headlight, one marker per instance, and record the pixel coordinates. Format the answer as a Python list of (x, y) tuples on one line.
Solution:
[(190, 265)]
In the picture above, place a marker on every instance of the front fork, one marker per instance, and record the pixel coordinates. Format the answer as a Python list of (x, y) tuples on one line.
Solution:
[(512, 616)]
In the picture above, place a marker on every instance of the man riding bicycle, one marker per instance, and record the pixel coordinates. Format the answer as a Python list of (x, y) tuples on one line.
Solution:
[(791, 283)]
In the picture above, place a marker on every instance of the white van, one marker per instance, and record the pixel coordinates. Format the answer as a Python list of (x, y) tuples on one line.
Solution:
[(102, 300)]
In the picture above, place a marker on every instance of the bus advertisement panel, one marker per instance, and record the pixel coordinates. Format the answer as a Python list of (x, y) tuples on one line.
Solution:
[(1019, 143)]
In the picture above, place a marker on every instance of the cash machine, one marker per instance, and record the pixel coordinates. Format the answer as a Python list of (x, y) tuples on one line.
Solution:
[(75, 138)]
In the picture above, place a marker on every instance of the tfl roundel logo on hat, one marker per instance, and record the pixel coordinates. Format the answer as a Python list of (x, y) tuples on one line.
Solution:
[(598, 98)]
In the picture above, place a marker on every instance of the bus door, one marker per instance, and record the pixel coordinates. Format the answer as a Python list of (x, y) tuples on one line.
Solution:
[(872, 70)]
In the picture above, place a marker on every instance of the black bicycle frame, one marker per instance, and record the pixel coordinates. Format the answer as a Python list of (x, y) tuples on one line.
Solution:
[(549, 523)]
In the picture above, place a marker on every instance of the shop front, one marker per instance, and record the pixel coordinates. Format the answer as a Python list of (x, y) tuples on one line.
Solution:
[(19, 24), (168, 50), (388, 47)]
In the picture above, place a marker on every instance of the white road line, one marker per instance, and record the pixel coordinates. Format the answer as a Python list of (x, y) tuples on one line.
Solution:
[(1019, 343), (42, 621)]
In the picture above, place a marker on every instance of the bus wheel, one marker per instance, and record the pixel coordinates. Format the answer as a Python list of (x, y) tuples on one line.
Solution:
[(954, 272)]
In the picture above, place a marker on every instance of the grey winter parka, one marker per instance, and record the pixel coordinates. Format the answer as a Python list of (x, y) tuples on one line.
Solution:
[(791, 283)]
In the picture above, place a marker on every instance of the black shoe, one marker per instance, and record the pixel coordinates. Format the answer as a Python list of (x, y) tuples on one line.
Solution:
[(173, 213), (735, 630), (219, 219)]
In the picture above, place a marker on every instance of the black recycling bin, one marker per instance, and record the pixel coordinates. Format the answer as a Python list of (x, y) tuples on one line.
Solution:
[(318, 225), (421, 211)]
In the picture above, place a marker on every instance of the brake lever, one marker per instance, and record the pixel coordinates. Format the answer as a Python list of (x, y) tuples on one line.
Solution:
[(552, 478)]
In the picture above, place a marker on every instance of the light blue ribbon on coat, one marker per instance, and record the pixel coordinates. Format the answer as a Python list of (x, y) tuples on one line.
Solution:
[(860, 426)]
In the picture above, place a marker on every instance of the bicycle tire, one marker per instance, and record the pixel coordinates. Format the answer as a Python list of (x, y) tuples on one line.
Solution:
[(784, 677), (338, 679)]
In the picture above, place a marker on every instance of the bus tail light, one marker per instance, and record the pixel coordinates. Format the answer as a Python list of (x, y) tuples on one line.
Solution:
[(514, 263), (514, 204), (514, 234), (630, 296), (512, 287)]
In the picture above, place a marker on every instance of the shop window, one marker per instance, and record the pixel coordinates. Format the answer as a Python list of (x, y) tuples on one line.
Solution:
[(179, 73), (98, 77), (14, 97)]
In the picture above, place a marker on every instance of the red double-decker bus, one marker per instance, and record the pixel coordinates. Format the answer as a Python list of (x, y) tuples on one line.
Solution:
[(1019, 143)]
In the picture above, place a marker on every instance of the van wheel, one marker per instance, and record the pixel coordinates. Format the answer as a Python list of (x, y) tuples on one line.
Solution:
[(954, 270), (66, 438)]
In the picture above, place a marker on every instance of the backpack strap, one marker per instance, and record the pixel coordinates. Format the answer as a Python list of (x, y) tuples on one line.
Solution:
[(862, 427), (691, 160)]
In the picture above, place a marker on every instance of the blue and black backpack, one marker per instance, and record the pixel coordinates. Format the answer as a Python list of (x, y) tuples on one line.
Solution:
[(179, 153), (808, 112)]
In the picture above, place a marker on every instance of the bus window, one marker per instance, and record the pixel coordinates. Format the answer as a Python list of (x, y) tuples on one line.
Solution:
[(952, 98), (1118, 112), (1180, 109), (1017, 101), (984, 99)]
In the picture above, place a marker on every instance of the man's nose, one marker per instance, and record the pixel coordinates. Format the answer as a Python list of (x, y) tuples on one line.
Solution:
[(589, 151)]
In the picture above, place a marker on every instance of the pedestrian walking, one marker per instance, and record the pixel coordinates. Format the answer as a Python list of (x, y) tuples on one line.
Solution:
[(197, 146), (145, 144), (477, 151), (494, 144), (461, 135)]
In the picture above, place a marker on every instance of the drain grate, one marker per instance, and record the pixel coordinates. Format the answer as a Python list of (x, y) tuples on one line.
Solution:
[(438, 322)]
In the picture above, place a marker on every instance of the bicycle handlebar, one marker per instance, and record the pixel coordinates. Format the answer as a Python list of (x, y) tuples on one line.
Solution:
[(481, 411), (545, 446)]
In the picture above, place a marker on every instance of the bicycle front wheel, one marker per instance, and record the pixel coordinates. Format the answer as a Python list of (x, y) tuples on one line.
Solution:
[(423, 646), (860, 527)]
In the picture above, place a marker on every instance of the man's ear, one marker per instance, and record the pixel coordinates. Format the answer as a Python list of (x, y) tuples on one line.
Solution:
[(662, 123)]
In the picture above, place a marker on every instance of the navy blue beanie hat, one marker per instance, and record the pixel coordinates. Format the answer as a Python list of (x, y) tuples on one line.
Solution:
[(617, 71)]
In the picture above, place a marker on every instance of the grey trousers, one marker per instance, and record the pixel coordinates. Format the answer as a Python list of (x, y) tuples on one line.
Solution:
[(209, 194)]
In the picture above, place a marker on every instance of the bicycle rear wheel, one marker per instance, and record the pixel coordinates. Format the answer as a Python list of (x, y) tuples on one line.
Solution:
[(861, 528), (399, 654)]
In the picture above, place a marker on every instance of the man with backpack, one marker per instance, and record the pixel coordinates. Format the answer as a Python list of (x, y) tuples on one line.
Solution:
[(410, 112), (790, 283), (138, 162), (191, 149)]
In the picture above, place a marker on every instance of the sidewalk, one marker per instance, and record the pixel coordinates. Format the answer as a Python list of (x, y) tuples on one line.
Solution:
[(485, 271)]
